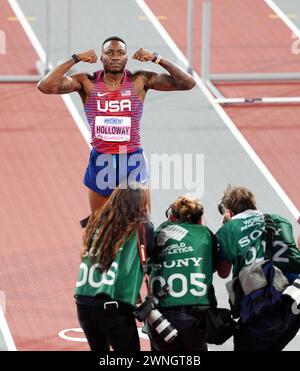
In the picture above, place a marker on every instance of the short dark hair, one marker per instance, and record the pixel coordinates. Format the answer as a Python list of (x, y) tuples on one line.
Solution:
[(117, 38)]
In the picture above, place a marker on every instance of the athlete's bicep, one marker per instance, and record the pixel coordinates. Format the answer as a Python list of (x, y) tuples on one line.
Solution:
[(69, 84), (160, 81)]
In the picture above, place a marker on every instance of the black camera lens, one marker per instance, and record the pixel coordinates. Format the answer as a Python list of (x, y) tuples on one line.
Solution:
[(221, 208)]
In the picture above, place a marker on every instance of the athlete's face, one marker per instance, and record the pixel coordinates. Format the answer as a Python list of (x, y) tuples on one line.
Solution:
[(114, 57)]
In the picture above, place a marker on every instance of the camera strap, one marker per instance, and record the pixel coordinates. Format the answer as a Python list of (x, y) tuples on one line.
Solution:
[(270, 233), (142, 246)]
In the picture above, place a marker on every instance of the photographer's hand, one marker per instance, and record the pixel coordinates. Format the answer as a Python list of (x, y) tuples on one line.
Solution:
[(227, 216)]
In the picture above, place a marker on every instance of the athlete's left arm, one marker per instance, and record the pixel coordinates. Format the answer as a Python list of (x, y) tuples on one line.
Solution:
[(177, 79)]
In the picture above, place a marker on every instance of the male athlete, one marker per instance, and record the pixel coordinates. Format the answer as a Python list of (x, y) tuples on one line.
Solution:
[(113, 100)]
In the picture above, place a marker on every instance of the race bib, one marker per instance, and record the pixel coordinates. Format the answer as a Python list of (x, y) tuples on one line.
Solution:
[(113, 129)]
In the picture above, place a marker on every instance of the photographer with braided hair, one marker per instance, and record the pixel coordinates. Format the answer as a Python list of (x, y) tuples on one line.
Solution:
[(110, 275), (184, 259)]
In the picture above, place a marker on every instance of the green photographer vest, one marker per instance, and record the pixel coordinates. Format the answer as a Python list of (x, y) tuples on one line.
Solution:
[(183, 261), (242, 242), (122, 281)]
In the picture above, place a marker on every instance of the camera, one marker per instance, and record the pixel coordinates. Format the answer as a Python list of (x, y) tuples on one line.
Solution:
[(148, 312), (221, 208)]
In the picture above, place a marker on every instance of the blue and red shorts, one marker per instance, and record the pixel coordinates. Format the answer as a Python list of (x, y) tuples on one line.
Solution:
[(106, 171)]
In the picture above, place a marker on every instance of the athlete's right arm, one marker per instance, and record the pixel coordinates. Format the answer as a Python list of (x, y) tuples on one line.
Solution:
[(55, 82)]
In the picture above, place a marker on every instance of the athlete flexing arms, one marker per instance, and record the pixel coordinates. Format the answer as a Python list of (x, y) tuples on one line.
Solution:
[(113, 101)]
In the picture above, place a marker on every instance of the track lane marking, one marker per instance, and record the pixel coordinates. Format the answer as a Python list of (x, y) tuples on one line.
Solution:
[(283, 17)]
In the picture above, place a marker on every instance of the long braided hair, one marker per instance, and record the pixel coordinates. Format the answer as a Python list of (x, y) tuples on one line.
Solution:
[(123, 214)]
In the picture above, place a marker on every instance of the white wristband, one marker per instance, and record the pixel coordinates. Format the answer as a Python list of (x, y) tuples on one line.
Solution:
[(158, 59)]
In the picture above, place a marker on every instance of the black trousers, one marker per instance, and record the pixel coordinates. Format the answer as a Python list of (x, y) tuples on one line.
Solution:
[(190, 337), (103, 328)]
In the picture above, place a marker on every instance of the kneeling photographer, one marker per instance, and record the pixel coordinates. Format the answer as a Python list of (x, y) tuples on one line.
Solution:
[(111, 275), (182, 267), (266, 272)]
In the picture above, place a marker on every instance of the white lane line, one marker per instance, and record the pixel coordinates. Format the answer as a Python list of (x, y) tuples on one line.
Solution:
[(67, 335), (69, 104), (223, 115), (42, 55), (28, 29), (284, 17), (64, 334), (6, 339)]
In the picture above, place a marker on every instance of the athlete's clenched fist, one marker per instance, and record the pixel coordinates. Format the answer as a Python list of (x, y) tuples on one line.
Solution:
[(143, 55), (89, 56)]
